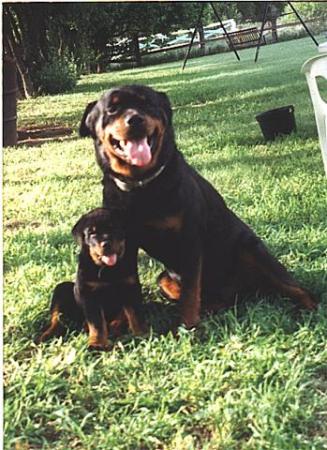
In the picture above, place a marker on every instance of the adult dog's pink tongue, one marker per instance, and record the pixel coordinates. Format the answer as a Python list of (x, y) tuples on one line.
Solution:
[(109, 260), (137, 152)]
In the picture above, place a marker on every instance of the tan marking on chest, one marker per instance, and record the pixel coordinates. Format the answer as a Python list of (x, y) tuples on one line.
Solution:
[(130, 280), (169, 223), (97, 284)]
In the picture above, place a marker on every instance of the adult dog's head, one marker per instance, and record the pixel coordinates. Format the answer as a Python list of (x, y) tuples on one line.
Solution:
[(132, 129)]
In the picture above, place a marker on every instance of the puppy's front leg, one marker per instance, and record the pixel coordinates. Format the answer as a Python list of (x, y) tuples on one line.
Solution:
[(95, 320), (98, 330)]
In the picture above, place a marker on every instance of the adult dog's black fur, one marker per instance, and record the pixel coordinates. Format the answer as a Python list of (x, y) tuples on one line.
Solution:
[(106, 294), (174, 213)]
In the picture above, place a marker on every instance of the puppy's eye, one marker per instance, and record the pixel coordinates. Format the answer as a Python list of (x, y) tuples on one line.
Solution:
[(89, 233)]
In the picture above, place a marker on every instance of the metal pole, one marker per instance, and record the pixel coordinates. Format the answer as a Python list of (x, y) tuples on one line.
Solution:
[(261, 31), (305, 27), (225, 31), (193, 36)]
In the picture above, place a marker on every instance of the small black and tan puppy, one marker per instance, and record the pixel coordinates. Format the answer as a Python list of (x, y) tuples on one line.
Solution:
[(106, 294)]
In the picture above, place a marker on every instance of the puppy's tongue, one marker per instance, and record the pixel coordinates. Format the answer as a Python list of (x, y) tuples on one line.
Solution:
[(137, 152), (109, 260)]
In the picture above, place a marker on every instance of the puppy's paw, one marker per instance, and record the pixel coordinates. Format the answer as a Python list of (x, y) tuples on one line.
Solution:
[(101, 345), (95, 348)]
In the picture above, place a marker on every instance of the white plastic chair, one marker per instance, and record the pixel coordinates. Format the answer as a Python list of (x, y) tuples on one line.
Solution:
[(313, 68)]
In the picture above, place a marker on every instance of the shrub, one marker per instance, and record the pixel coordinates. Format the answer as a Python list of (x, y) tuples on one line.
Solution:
[(58, 75)]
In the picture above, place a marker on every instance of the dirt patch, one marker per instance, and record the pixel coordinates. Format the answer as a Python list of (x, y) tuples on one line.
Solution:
[(14, 224), (42, 134)]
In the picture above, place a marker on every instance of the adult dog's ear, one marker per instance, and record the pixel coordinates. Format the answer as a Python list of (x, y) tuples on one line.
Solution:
[(78, 230), (90, 114), (165, 105)]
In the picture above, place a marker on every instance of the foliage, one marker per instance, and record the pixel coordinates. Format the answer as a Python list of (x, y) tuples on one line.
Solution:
[(253, 377), (97, 33), (308, 10), (58, 75), (254, 10), (93, 33)]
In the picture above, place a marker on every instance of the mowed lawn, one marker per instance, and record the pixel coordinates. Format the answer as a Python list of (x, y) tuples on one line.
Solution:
[(254, 377)]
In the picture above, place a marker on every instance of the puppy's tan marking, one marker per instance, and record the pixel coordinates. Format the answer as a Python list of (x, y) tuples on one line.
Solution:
[(133, 322), (98, 338), (55, 328), (93, 285)]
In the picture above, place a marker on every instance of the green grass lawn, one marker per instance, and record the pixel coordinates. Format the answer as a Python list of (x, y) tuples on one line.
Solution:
[(254, 377)]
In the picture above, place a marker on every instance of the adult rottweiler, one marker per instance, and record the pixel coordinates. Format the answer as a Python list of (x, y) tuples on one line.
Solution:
[(106, 295), (175, 215)]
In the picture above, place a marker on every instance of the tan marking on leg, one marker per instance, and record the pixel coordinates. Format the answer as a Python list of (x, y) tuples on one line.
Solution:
[(133, 322), (191, 300), (300, 295), (293, 291), (171, 288), (116, 325), (55, 328), (98, 338)]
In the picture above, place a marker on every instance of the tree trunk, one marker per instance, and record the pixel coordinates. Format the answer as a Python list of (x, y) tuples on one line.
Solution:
[(25, 84), (201, 39), (136, 50), (273, 22), (12, 48)]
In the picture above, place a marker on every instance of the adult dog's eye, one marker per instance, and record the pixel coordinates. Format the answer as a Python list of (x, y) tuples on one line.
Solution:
[(111, 109)]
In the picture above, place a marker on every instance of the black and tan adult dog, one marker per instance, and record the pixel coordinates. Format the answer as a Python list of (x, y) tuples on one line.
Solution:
[(105, 295), (174, 213)]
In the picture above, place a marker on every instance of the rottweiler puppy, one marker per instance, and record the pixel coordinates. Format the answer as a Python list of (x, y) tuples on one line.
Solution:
[(106, 295), (175, 215)]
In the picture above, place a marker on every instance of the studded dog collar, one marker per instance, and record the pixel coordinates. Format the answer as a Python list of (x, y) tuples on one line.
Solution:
[(130, 185)]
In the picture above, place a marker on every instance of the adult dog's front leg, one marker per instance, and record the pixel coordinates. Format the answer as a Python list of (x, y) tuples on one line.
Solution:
[(131, 295), (191, 280)]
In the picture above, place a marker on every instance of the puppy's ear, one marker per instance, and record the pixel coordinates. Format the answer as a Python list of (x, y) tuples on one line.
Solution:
[(165, 105), (78, 230), (87, 124)]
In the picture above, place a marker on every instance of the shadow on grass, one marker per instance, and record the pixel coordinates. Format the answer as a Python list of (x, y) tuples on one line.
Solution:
[(200, 89), (266, 315), (94, 180), (129, 77), (268, 161), (141, 76)]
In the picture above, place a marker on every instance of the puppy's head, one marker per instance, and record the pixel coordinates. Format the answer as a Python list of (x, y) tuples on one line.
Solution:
[(101, 234), (129, 124)]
